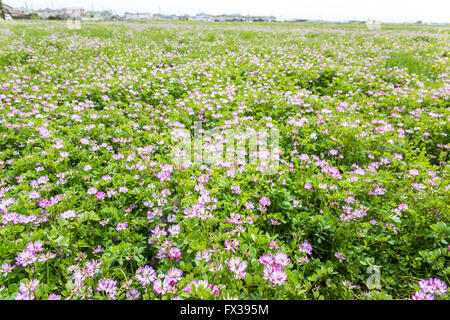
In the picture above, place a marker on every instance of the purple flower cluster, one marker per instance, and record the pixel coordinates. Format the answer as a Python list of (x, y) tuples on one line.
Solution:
[(161, 283), (429, 289), (26, 290), (273, 267), (237, 267), (109, 286)]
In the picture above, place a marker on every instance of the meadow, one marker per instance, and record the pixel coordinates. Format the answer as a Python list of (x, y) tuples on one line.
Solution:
[(94, 204)]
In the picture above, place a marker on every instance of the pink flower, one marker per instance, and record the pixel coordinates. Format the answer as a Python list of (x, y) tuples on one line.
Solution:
[(34, 195), (281, 258), (204, 178), (26, 291), (203, 255), (236, 189), (6, 268), (235, 218), (273, 245), (305, 247), (238, 267), (340, 256), (303, 259), (249, 205), (274, 274), (108, 285), (92, 267), (121, 226), (174, 253), (174, 230), (233, 246), (145, 275), (278, 276), (132, 294), (264, 202), (100, 195), (164, 174), (348, 284), (92, 191), (174, 275), (26, 257), (161, 286), (266, 259)]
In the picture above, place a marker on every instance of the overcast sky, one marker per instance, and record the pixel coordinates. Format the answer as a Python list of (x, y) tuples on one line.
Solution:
[(381, 10)]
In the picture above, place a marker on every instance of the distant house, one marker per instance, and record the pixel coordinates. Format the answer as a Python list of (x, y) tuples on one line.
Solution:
[(106, 15), (185, 17), (75, 12), (138, 16), (11, 13), (5, 12), (263, 19), (203, 17), (17, 14), (158, 16), (53, 14), (228, 18), (271, 19), (98, 15)]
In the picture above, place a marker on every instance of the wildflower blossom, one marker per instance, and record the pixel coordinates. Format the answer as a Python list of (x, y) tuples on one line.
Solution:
[(132, 294), (26, 290), (145, 275), (174, 253), (121, 226), (26, 257), (108, 286), (233, 246), (305, 247), (429, 289), (238, 267), (281, 258), (340, 256)]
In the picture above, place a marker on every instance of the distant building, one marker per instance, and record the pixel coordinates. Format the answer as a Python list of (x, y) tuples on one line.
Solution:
[(228, 18), (17, 14), (185, 17), (52, 14), (203, 17), (82, 14), (263, 19), (297, 20), (98, 15), (138, 16), (240, 18), (75, 12), (13, 13), (158, 16)]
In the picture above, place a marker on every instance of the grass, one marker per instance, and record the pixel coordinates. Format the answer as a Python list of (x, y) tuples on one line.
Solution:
[(411, 63)]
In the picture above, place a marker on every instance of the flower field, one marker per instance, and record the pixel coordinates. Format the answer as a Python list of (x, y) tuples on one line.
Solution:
[(349, 200)]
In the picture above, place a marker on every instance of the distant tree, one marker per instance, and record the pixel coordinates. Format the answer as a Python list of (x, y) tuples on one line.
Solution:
[(2, 10), (32, 16)]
